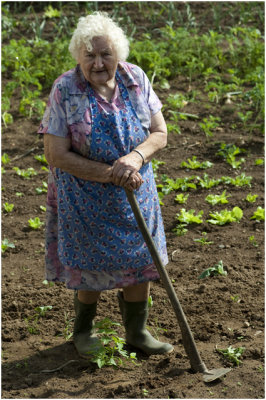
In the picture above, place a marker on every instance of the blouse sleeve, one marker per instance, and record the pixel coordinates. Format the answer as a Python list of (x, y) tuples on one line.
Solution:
[(55, 118)]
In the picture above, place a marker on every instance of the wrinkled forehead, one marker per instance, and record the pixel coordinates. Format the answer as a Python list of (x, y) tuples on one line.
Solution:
[(98, 43)]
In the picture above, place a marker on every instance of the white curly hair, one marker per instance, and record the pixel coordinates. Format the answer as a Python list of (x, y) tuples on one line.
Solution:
[(98, 24)]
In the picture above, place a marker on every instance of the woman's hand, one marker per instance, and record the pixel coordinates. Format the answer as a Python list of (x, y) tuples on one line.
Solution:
[(125, 171)]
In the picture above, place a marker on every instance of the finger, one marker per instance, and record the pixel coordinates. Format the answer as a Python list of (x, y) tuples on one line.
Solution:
[(125, 177)]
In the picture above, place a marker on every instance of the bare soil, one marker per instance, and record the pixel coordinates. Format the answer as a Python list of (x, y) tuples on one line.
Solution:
[(217, 321)]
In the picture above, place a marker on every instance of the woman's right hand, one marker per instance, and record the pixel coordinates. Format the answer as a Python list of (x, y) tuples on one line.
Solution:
[(131, 180)]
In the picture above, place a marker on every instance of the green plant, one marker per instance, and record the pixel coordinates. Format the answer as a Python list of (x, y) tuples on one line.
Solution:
[(235, 298), (26, 174), (112, 350), (209, 125), (67, 331), (6, 244), (188, 217), (180, 229), (43, 189), (207, 182), (33, 321), (181, 198), (214, 199), (251, 198), (5, 159), (259, 214), (253, 241), (203, 240), (155, 166), (8, 207), (145, 392), (229, 152), (225, 216), (232, 354), (179, 184), (35, 223), (259, 161), (217, 269), (41, 158), (43, 208), (240, 180), (194, 164)]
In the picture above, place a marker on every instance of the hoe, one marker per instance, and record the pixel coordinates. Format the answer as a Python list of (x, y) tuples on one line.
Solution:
[(196, 362)]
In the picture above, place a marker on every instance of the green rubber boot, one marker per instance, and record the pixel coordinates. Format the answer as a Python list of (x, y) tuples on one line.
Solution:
[(85, 342), (135, 315)]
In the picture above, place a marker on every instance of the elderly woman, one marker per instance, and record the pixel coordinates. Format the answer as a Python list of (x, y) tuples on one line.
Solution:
[(101, 127)]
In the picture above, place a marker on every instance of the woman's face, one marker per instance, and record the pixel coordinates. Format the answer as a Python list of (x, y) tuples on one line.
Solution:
[(98, 65)]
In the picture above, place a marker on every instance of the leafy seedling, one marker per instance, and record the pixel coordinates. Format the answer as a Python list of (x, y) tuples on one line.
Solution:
[(259, 214), (5, 159), (217, 269), (225, 216), (6, 244), (251, 198), (111, 352), (232, 354), (214, 199), (25, 173), (33, 321), (188, 217), (209, 125), (155, 166), (229, 153), (8, 207), (203, 240), (42, 189), (259, 161), (41, 158), (253, 241), (207, 182), (179, 184), (35, 223), (181, 198), (180, 229), (195, 164), (240, 180)]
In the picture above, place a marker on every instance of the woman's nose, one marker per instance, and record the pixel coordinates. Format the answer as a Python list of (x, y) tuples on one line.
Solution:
[(98, 62)]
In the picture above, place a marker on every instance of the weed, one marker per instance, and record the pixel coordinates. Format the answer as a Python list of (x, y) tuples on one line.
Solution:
[(225, 216), (47, 283), (259, 214), (217, 269), (33, 321), (112, 350), (229, 152), (145, 392), (19, 194), (235, 298), (203, 240), (43, 208), (67, 331), (253, 241), (194, 164), (214, 199), (180, 229), (232, 354), (35, 223), (209, 125)]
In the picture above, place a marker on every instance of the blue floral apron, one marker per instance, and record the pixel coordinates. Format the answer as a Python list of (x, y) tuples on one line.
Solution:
[(97, 230)]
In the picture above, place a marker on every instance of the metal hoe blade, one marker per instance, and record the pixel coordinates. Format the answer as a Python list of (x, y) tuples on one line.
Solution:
[(196, 362), (213, 374)]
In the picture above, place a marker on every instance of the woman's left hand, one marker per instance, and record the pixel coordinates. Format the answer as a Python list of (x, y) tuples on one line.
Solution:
[(125, 170)]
